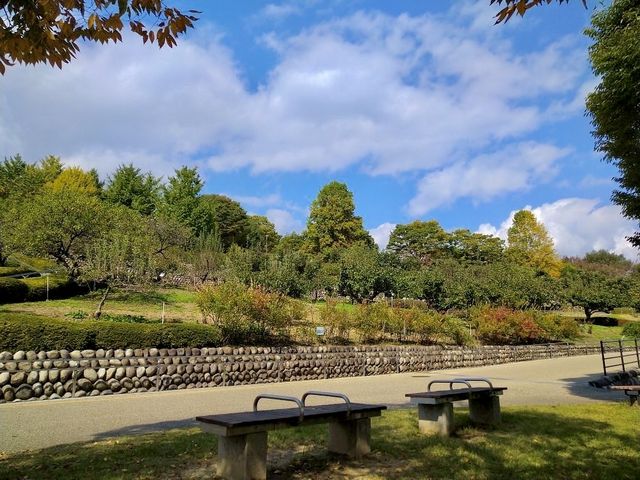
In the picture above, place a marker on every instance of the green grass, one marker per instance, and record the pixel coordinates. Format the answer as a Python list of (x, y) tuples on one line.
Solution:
[(179, 305), (598, 333), (597, 441)]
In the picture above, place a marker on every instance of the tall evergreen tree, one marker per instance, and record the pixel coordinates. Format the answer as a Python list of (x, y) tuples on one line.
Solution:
[(130, 187), (332, 222)]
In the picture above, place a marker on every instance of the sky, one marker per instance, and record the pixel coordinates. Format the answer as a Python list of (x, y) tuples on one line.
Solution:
[(426, 110)]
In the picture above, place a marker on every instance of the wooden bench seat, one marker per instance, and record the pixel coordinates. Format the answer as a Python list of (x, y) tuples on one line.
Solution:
[(242, 437), (631, 391), (435, 407)]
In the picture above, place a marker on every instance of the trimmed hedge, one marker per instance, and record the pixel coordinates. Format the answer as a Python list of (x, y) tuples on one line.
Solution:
[(33, 332), (13, 290), (6, 271)]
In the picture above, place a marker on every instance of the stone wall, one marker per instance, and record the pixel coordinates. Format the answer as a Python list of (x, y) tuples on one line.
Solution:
[(62, 374)]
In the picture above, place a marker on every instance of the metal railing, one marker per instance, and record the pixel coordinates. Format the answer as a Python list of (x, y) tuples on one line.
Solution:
[(619, 353)]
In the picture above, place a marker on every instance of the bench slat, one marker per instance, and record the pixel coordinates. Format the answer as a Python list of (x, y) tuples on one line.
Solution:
[(291, 416), (445, 396)]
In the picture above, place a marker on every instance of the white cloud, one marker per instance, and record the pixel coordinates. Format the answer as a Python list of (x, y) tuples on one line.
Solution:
[(258, 202), (484, 177), (393, 94), (279, 11), (381, 234), (577, 226), (284, 221)]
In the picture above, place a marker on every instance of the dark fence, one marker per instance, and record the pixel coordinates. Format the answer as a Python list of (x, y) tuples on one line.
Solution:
[(619, 353)]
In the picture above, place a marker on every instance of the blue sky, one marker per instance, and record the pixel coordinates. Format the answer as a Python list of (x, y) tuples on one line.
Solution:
[(425, 109)]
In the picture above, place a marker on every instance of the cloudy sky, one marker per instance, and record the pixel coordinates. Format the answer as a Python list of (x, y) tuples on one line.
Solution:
[(425, 109)]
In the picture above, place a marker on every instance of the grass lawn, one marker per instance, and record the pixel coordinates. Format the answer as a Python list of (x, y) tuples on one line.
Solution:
[(598, 333), (179, 305), (598, 441)]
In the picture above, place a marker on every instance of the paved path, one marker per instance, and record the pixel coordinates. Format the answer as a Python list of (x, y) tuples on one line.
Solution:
[(40, 424)]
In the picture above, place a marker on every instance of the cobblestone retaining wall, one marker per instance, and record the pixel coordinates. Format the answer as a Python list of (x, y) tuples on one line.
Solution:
[(62, 374)]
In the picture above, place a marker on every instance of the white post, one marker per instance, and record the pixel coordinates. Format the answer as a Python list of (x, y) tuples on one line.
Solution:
[(162, 312), (47, 276)]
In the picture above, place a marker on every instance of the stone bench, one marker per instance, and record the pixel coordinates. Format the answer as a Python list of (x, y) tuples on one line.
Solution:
[(631, 391), (435, 408), (242, 437)]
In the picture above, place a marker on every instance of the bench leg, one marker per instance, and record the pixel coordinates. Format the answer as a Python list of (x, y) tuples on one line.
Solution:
[(436, 418), (485, 411), (243, 457), (350, 437)]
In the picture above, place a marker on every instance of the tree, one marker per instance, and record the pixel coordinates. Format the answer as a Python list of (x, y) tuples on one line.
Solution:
[(227, 218), (530, 244), (120, 256), (21, 179), (58, 225), (261, 233), (521, 6), (613, 106), (181, 199), (475, 247), (423, 241), (332, 223), (74, 179), (361, 275), (607, 263), (593, 291), (50, 31), (129, 187)]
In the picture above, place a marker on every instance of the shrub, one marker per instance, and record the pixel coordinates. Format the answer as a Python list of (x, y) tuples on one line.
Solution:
[(374, 321), (631, 329), (427, 325), (338, 321), (248, 315), (59, 287), (456, 331), (557, 327), (12, 290), (503, 326), (33, 332)]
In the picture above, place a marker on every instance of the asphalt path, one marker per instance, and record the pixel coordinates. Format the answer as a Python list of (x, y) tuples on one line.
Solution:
[(41, 424)]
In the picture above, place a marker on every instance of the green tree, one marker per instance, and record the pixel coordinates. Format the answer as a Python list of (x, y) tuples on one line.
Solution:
[(361, 275), (332, 222), (21, 179), (227, 218), (128, 186), (475, 247), (613, 106), (261, 233), (121, 255), (530, 244), (58, 225), (593, 291), (181, 199), (421, 241)]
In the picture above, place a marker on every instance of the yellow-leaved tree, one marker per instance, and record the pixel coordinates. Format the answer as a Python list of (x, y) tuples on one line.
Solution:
[(530, 244)]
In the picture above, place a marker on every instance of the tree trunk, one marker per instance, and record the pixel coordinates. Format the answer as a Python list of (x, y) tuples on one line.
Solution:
[(98, 312), (587, 314)]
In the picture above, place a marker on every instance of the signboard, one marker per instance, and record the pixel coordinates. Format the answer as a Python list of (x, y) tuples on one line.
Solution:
[(320, 331)]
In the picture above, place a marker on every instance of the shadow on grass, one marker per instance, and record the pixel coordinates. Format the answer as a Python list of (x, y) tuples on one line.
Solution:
[(598, 441), (143, 429)]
